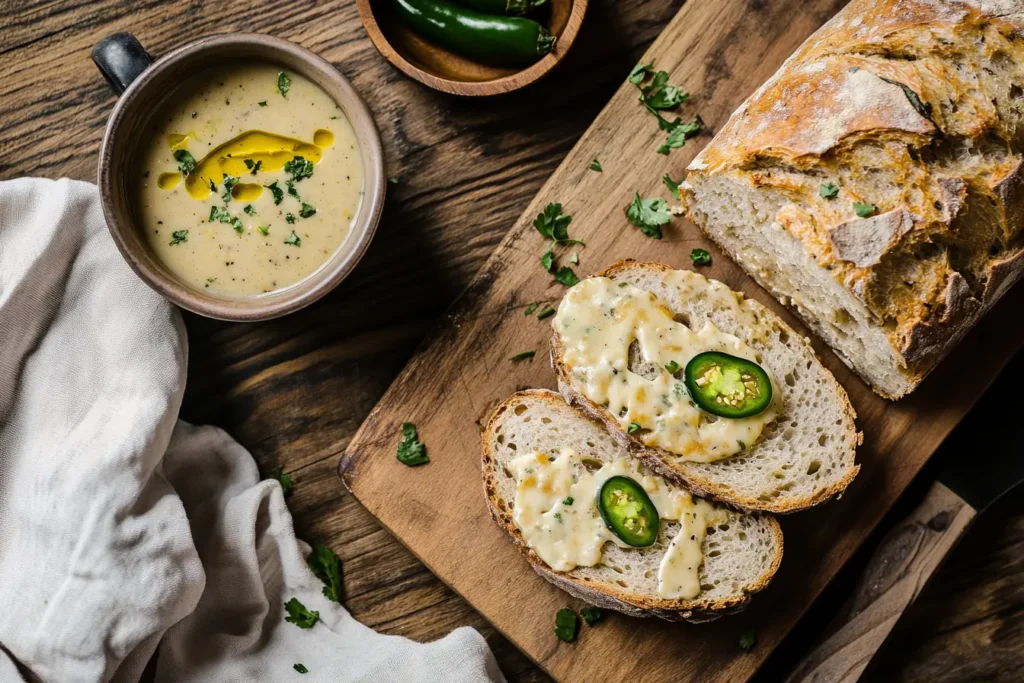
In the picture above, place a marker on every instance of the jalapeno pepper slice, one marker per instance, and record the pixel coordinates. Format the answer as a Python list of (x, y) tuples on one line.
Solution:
[(727, 386), (628, 511)]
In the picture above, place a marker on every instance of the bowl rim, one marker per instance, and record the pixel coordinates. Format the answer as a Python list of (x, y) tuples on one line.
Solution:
[(496, 86), (318, 283)]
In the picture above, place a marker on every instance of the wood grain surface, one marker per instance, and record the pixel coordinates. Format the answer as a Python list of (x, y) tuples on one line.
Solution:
[(295, 390)]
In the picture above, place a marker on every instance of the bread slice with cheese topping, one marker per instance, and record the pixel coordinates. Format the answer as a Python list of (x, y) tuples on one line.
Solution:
[(741, 552), (804, 456)]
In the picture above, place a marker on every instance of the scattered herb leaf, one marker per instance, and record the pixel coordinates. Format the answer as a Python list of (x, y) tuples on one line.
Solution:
[(566, 276), (228, 182), (276, 191), (300, 668), (595, 165), (293, 240), (285, 480), (568, 500), (748, 640), (639, 73), (219, 214), (299, 167), (291, 189), (672, 186), (253, 166), (213, 186), (700, 257), (649, 215), (530, 309), (284, 83), (237, 225), (566, 625), (546, 312), (828, 191), (523, 355), (548, 260), (299, 615), (249, 210), (411, 451), (679, 134), (592, 615), (179, 236), (289, 218), (552, 223), (306, 211), (660, 94), (672, 367), (575, 258), (633, 427), (186, 162), (264, 230), (864, 210), (263, 103), (327, 567)]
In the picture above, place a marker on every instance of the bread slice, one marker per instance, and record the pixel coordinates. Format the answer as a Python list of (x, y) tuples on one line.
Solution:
[(740, 556), (804, 458)]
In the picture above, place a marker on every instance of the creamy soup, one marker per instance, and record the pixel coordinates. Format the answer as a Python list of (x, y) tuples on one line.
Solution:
[(249, 181)]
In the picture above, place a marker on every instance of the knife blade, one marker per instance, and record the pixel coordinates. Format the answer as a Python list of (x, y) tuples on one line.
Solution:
[(980, 461)]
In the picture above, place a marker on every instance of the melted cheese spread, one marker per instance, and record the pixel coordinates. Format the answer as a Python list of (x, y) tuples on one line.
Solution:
[(556, 511), (597, 322)]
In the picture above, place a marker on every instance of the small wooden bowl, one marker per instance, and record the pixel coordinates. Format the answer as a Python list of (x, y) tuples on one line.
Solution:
[(448, 72)]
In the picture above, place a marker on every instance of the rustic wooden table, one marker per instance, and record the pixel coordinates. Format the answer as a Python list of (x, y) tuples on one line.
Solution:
[(295, 390)]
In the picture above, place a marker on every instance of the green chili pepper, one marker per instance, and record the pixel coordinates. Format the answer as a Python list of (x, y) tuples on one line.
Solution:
[(628, 511), (727, 386)]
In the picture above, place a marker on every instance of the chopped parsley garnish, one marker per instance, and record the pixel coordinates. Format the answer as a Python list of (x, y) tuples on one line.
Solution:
[(568, 500), (523, 355), (276, 191), (300, 668), (672, 186), (748, 640), (284, 83), (659, 95), (326, 565), (264, 230), (639, 73), (249, 210), (530, 309), (828, 191), (671, 367), (237, 225), (680, 133), (186, 162), (411, 451), (289, 218), (566, 625), (291, 189), (575, 258), (566, 276), (263, 103), (547, 312), (213, 186), (592, 615), (299, 167), (864, 210), (547, 260), (299, 615), (285, 480), (649, 215), (219, 214), (253, 166), (293, 240), (700, 257), (306, 211), (179, 236), (633, 427), (228, 182), (595, 165), (552, 223)]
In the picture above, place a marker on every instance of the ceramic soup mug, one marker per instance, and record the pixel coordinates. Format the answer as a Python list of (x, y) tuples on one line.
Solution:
[(143, 85)]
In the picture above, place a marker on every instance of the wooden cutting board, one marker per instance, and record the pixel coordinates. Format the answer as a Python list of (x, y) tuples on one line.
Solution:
[(720, 51)]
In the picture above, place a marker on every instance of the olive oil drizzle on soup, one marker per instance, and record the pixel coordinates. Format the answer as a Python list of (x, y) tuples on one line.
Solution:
[(249, 180)]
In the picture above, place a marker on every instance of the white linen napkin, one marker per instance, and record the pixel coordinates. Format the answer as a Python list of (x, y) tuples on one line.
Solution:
[(123, 529)]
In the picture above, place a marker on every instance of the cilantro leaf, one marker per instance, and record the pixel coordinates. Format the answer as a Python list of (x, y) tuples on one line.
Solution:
[(649, 215), (327, 567), (299, 615), (828, 191), (548, 260), (552, 223), (639, 73), (299, 167), (284, 83), (186, 162), (229, 181), (864, 210), (547, 312), (307, 210), (566, 625), (523, 355), (700, 257), (293, 239), (660, 94), (291, 188), (592, 615), (566, 276), (276, 191), (530, 309), (672, 367), (300, 668), (672, 186), (179, 236), (219, 214), (285, 480), (411, 451), (249, 210), (748, 640), (595, 165), (237, 225), (679, 134)]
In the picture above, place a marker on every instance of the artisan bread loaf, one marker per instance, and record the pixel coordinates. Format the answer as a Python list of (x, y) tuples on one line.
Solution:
[(875, 182), (803, 458), (741, 553)]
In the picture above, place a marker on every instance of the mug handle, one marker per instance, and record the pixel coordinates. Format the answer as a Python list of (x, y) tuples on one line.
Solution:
[(120, 57)]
